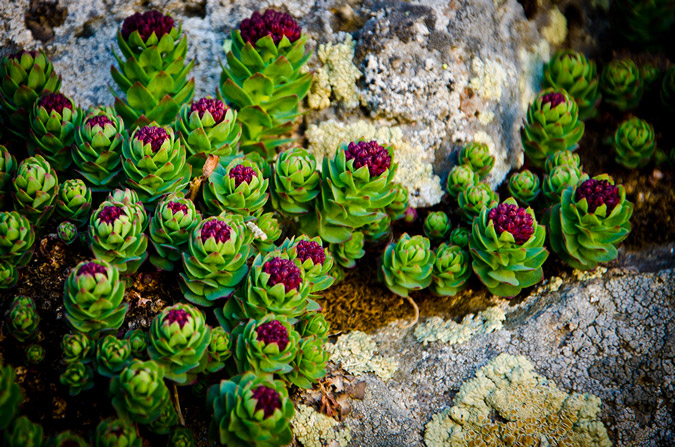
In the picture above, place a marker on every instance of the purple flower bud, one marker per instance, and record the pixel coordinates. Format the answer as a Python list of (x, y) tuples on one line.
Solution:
[(176, 207), (270, 23), (110, 214), (98, 120), (283, 271), (310, 249), (514, 220), (273, 332), (215, 107), (268, 400), (179, 316), (410, 215), (554, 98), (216, 229), (55, 102), (597, 192), (67, 232), (91, 268), (369, 154), (147, 23), (241, 173), (152, 135)]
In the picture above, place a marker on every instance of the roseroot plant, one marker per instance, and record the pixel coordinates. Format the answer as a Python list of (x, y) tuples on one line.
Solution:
[(166, 420), (54, 120), (437, 225), (139, 393), (507, 247), (378, 231), (77, 377), (347, 253), (407, 264), (238, 186), (474, 199), (269, 225), (68, 439), (621, 84), (590, 222), (644, 22), (67, 232), (7, 169), (35, 189), (10, 395), (668, 89), (524, 186), (74, 201), (396, 209), (24, 433), (460, 178), (93, 297), (112, 355), (138, 341), (180, 437), (219, 350), (570, 70), (267, 345), (410, 216), (9, 275), (130, 198), (451, 270), (460, 236), (251, 410), (315, 260), (552, 124), (264, 80), (309, 364), (116, 433), (560, 158), (634, 143), (23, 319), (313, 324), (172, 223), (295, 182), (34, 353), (560, 178), (76, 347), (152, 76), (477, 155), (17, 238), (650, 75)]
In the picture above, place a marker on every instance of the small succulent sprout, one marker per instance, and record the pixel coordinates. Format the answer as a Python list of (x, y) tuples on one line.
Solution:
[(634, 143), (460, 178), (76, 347), (138, 341), (24, 433), (17, 238), (621, 84), (460, 236), (68, 439), (9, 275), (181, 437), (112, 355), (309, 364), (560, 178), (35, 189), (295, 182), (116, 433), (74, 201), (10, 395), (337, 272), (250, 410), (570, 70), (268, 345), (35, 354), (219, 350), (315, 260), (269, 225), (396, 209), (179, 338), (216, 262), (53, 122), (477, 155), (552, 124), (313, 324), (407, 264), (378, 231), (23, 319), (170, 227), (238, 187), (560, 158), (668, 89), (410, 215), (474, 199), (646, 24), (77, 377), (93, 297), (650, 74), (524, 186), (347, 253), (507, 247), (167, 419), (451, 271), (67, 232), (590, 222), (139, 392), (437, 225), (7, 169)]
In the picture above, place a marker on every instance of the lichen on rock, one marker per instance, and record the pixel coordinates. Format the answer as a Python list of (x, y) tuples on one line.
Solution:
[(436, 329), (556, 30), (313, 429), (356, 353), (337, 75)]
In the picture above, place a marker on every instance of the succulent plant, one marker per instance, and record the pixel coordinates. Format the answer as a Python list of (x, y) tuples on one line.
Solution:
[(309, 364), (474, 198), (460, 236), (10, 395), (74, 201), (181, 437), (621, 84), (35, 354), (167, 419), (219, 350), (267, 345), (35, 189), (152, 76), (460, 178), (112, 354), (7, 169), (264, 80), (98, 146), (396, 209), (76, 347), (552, 124), (571, 71), (251, 411), (634, 143), (67, 232), (269, 225), (407, 264), (560, 178), (23, 319), (129, 197), (315, 260), (93, 297), (216, 262), (238, 187), (53, 121), (139, 392), (560, 158), (67, 439), (77, 377), (477, 155), (668, 89), (138, 341), (337, 273), (644, 22), (17, 238), (437, 225), (116, 433), (207, 127), (650, 74), (347, 253), (170, 227), (9, 275), (590, 222), (524, 186), (378, 231), (24, 433), (313, 324), (295, 183), (451, 270)]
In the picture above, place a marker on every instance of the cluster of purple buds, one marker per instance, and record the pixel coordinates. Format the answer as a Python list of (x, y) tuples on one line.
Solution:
[(553, 98), (216, 229), (273, 332), (215, 107), (153, 135), (268, 400), (597, 193), (283, 271), (177, 207), (110, 214), (55, 102), (514, 220), (91, 268), (147, 23), (270, 23), (98, 120), (310, 250), (371, 154), (179, 316), (241, 173)]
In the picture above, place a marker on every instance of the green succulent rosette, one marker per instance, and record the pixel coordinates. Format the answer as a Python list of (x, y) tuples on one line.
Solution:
[(9, 275), (309, 364), (76, 347), (267, 345), (130, 198), (437, 225), (460, 236), (644, 22), (67, 439), (23, 319), (396, 209), (251, 411), (315, 260), (477, 155), (295, 182), (219, 350), (172, 223), (7, 169), (634, 143), (524, 186), (347, 253), (269, 225), (474, 199), (116, 433), (407, 264), (552, 124), (313, 324), (621, 84), (589, 223), (650, 75), (151, 72), (181, 437), (138, 341), (451, 270), (74, 200), (571, 71), (17, 238), (93, 297), (167, 419), (460, 178), (216, 262), (35, 189), (67, 232), (10, 395), (112, 355), (139, 393), (668, 89), (237, 186), (560, 178), (337, 272), (98, 146), (507, 248), (23, 433), (560, 158), (378, 231), (35, 354), (77, 377)]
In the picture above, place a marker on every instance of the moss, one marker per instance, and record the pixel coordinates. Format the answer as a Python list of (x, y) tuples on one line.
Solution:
[(508, 403), (556, 30), (436, 329), (355, 352), (338, 75), (314, 429)]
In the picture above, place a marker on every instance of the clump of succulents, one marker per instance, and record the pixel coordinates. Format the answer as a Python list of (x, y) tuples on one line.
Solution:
[(310, 362), (68, 439), (116, 433), (35, 353), (524, 186), (590, 222), (460, 236), (460, 178), (295, 183), (152, 72), (139, 392), (634, 143), (74, 200), (7, 169), (112, 354), (53, 121), (451, 270), (315, 260), (378, 231), (264, 80), (313, 324), (407, 264), (10, 395), (67, 232), (477, 155), (552, 124), (560, 158), (650, 74), (268, 345), (621, 84), (170, 227), (668, 89), (347, 253), (76, 347), (24, 433), (35, 189), (181, 437), (219, 350), (437, 225), (23, 319), (269, 225), (644, 22), (570, 70), (474, 199), (396, 209), (9, 275), (238, 187), (77, 377), (17, 238), (507, 247), (560, 178), (166, 420), (138, 341)]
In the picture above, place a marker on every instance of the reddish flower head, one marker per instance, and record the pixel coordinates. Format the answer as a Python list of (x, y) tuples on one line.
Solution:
[(110, 214), (513, 219), (369, 154), (55, 102), (216, 229), (273, 332), (554, 98), (310, 249), (598, 192), (19, 54), (179, 316), (153, 135), (176, 207), (98, 120), (270, 23), (268, 400), (283, 271), (215, 107), (91, 268), (241, 173), (147, 23)]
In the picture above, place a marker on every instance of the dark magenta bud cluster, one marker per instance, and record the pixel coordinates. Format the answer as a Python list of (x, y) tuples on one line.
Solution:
[(177, 207), (514, 220), (215, 107), (371, 154), (241, 173), (597, 193), (153, 135), (147, 23), (216, 229), (554, 98), (179, 316), (273, 332), (98, 120), (110, 214), (310, 250), (268, 400), (91, 268), (55, 102), (283, 271), (270, 23)]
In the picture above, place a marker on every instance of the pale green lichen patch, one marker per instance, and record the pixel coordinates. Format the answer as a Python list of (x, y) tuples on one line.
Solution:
[(556, 30), (489, 78), (356, 353), (508, 404), (587, 275), (313, 429), (436, 329), (337, 75)]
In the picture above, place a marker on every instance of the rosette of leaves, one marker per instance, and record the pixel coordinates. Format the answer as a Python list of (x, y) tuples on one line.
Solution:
[(24, 433), (76, 347), (139, 392), (668, 89), (650, 74), (170, 227), (590, 222), (17, 237), (24, 77), (116, 235), (67, 439), (634, 143), (552, 124), (112, 354), (644, 22), (166, 420), (35, 354), (406, 264), (571, 71), (181, 437), (93, 297), (560, 178), (53, 122), (74, 200), (621, 84), (98, 146), (116, 433), (238, 187), (313, 324), (295, 182), (154, 163), (138, 341), (507, 247), (451, 270), (347, 253), (460, 236), (7, 169), (560, 158), (35, 189), (524, 186), (129, 197), (207, 127), (264, 80), (477, 155), (250, 410), (77, 377), (437, 225), (337, 272), (152, 72), (378, 231), (396, 209), (23, 319), (474, 198), (219, 350), (309, 364), (179, 337), (267, 345), (460, 178), (315, 260), (269, 225), (9, 275), (216, 262), (67, 232), (10, 395)]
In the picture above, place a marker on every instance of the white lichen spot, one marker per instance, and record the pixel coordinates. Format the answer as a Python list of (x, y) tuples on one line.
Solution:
[(489, 78), (436, 329), (556, 30), (356, 353), (550, 285), (337, 75), (587, 275), (486, 117), (313, 429), (532, 62)]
